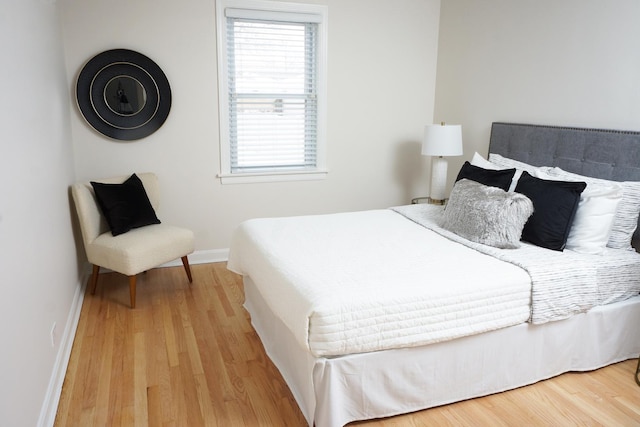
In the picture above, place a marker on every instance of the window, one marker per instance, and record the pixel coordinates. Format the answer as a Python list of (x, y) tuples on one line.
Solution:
[(272, 72)]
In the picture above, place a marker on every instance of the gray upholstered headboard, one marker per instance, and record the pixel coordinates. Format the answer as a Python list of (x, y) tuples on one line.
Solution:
[(600, 153), (607, 154)]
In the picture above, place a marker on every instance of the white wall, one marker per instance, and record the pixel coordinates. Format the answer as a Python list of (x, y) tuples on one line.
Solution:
[(39, 273), (382, 63), (569, 62)]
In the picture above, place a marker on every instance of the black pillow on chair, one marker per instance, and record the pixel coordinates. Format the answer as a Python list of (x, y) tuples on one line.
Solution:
[(125, 206), (492, 178)]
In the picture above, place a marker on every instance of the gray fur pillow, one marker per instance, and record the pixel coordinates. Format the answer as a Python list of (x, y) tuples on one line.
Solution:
[(487, 215)]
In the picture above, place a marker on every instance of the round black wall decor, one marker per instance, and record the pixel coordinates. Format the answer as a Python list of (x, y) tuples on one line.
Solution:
[(123, 94)]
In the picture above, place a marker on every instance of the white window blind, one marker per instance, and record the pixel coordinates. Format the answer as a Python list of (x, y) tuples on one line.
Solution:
[(272, 92)]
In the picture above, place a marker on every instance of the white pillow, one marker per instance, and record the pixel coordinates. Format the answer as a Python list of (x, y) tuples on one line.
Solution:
[(625, 218), (481, 162), (593, 221)]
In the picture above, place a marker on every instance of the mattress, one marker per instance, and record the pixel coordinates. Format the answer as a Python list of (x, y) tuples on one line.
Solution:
[(365, 281)]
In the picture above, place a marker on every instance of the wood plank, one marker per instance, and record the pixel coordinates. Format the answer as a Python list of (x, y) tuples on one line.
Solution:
[(104, 386), (140, 381), (187, 355)]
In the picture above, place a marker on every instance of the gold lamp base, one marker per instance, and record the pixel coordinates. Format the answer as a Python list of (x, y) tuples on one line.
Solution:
[(439, 202)]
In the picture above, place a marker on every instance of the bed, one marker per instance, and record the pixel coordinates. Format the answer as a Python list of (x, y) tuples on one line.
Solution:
[(369, 314)]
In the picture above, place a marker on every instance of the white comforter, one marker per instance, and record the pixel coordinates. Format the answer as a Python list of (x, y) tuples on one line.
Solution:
[(563, 283), (366, 281)]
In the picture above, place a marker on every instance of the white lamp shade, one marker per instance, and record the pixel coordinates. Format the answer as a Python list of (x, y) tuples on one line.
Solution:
[(442, 140)]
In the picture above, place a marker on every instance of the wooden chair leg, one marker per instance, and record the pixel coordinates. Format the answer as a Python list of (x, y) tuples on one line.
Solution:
[(185, 262), (132, 290), (94, 278)]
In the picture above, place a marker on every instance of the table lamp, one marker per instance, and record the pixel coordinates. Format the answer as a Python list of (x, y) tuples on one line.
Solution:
[(439, 141)]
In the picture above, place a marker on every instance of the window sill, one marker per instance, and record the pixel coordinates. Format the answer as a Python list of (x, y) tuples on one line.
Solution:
[(248, 178)]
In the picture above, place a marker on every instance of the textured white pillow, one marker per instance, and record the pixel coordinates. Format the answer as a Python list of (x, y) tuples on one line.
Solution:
[(594, 217), (487, 215), (625, 219), (507, 163)]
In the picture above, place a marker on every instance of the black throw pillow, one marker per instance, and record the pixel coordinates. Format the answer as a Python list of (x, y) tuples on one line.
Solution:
[(554, 207), (492, 178), (125, 206)]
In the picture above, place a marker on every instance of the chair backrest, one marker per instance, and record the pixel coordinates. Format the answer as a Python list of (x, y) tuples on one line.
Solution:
[(92, 222)]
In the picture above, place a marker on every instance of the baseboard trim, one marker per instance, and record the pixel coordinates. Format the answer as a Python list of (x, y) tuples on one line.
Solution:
[(54, 390), (202, 257)]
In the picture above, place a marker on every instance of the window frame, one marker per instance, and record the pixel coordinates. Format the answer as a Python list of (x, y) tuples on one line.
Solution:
[(267, 7)]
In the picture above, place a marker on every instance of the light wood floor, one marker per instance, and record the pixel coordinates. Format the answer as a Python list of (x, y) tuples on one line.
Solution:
[(187, 356)]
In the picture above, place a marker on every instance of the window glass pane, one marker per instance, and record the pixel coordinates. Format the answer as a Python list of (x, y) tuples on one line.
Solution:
[(272, 94), (270, 58), (272, 132)]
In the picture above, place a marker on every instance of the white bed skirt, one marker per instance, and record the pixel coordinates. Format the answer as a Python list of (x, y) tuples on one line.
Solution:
[(335, 391)]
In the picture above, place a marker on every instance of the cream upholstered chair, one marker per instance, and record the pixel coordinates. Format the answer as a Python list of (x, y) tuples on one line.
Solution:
[(133, 251)]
